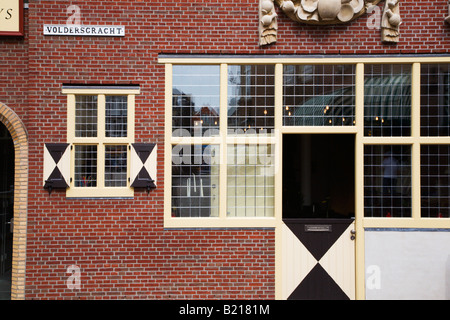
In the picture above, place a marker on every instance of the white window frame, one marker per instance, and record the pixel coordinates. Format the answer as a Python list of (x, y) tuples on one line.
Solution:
[(415, 139), (223, 140), (100, 191)]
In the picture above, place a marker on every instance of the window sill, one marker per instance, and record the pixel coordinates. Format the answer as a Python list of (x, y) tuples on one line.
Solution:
[(100, 193), (177, 223)]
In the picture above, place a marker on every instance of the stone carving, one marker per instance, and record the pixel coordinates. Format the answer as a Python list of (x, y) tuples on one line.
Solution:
[(267, 22), (390, 22), (325, 12), (329, 9)]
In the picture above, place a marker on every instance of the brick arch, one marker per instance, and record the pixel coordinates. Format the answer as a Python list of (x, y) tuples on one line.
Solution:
[(20, 138)]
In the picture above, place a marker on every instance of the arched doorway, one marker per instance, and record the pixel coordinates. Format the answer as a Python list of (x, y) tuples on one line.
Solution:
[(6, 210), (17, 133)]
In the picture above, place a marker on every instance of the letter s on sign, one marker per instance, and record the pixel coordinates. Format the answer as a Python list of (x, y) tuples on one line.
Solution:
[(9, 13)]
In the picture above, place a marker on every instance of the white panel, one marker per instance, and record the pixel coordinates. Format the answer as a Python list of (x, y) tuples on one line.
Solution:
[(297, 262), (64, 165), (49, 164), (135, 166), (150, 164), (407, 264)]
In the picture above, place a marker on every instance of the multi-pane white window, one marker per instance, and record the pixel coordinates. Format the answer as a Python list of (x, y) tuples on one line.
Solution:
[(100, 130), (391, 165), (221, 161), (397, 109)]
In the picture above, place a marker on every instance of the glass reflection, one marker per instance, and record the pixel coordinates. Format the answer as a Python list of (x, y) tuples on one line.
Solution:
[(387, 181), (195, 100)]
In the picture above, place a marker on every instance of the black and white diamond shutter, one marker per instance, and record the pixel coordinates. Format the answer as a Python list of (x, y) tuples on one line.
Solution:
[(56, 165), (143, 165)]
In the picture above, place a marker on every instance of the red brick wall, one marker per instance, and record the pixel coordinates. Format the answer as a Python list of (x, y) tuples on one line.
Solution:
[(120, 246), (14, 72)]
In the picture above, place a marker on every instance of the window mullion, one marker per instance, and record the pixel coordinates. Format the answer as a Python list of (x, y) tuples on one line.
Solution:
[(131, 100), (415, 133), (223, 118), (278, 114), (71, 117), (167, 142), (101, 117), (71, 135), (101, 140)]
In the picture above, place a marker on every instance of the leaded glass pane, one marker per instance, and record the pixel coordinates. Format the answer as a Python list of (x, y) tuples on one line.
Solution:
[(387, 100), (435, 99), (116, 116), (85, 166), (387, 181), (86, 116), (195, 101), (250, 182), (435, 181), (115, 166), (319, 95), (195, 181), (251, 99)]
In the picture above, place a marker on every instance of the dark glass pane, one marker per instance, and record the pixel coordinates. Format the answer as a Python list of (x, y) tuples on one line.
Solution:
[(387, 100), (319, 95), (387, 181)]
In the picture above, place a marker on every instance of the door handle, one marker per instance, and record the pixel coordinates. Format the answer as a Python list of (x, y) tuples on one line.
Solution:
[(353, 235)]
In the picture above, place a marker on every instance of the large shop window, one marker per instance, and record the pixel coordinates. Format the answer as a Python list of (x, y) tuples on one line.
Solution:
[(100, 131), (225, 121)]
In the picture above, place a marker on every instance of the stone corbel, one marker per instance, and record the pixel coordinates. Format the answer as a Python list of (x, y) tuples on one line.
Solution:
[(268, 24), (390, 22)]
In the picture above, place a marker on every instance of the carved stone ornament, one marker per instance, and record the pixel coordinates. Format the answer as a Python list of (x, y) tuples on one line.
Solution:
[(390, 22), (268, 22), (326, 12)]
